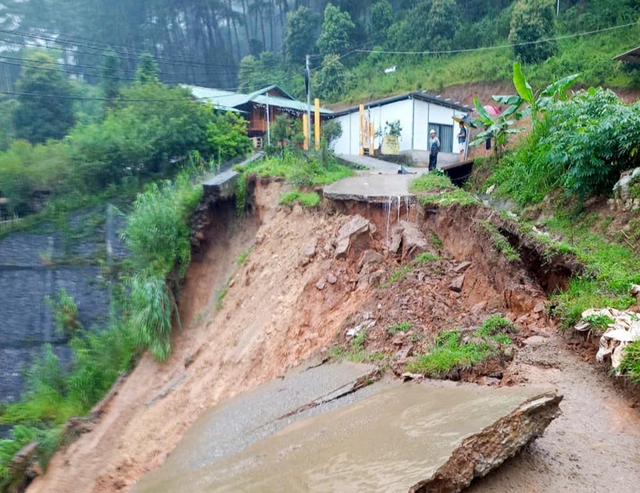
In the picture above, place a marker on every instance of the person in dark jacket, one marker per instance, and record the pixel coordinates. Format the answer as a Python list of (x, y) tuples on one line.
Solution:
[(434, 149)]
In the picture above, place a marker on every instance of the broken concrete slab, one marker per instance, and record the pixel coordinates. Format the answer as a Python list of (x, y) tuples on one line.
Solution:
[(237, 423), (403, 438)]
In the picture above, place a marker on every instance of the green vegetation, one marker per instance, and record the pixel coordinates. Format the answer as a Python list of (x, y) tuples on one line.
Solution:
[(600, 322), (65, 313), (611, 270), (400, 327), (220, 295), (500, 243), (436, 189), (496, 328), (435, 240), (243, 257), (426, 257), (307, 200), (451, 353), (401, 272), (631, 363), (356, 351), (298, 169)]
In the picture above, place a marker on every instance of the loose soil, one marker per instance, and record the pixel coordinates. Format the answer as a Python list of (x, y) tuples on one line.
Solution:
[(292, 299)]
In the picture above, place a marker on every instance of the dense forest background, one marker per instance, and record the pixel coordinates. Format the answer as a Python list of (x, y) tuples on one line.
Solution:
[(204, 41)]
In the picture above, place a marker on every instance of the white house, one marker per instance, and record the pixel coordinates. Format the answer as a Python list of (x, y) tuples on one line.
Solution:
[(418, 113)]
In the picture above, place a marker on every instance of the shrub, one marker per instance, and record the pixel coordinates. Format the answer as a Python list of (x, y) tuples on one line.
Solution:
[(65, 313)]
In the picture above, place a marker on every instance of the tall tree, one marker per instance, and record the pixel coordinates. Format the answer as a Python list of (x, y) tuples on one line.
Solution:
[(442, 24), (301, 31), (45, 108), (110, 78), (337, 31), (532, 21), (381, 20), (147, 72)]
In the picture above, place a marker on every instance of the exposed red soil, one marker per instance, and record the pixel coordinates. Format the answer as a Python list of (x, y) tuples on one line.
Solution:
[(293, 298)]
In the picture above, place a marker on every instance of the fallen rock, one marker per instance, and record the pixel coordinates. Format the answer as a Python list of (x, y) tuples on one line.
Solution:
[(437, 439), (347, 234), (457, 283), (396, 239), (462, 267), (309, 250), (331, 279), (321, 283), (413, 241), (370, 258)]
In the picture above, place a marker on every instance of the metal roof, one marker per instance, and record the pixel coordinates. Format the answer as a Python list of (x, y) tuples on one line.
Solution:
[(421, 95), (631, 56), (232, 100)]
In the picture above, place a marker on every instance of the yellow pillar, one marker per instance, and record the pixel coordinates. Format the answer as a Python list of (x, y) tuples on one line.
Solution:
[(361, 141), (317, 122), (305, 130)]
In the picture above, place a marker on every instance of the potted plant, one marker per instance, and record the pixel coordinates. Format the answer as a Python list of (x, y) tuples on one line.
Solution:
[(391, 139)]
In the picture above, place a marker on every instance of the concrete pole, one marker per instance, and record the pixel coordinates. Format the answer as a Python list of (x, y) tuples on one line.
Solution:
[(557, 8), (361, 140), (305, 130)]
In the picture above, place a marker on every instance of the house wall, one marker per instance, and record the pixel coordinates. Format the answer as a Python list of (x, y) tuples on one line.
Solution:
[(414, 116)]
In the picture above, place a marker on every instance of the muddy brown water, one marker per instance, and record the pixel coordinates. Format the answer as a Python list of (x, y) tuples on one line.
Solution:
[(388, 442)]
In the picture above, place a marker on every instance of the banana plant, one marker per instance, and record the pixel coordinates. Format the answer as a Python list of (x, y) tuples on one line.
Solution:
[(498, 128), (537, 103)]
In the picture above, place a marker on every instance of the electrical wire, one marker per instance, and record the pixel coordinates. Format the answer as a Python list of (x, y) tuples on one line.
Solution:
[(499, 47)]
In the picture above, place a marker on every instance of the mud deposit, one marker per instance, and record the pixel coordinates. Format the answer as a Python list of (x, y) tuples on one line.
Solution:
[(299, 293)]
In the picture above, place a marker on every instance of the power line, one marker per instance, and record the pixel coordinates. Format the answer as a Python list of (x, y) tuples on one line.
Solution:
[(104, 47), (498, 47), (82, 98)]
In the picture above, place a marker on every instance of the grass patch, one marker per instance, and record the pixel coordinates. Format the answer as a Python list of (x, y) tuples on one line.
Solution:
[(500, 243), (356, 352), (611, 269), (435, 240), (306, 200), (437, 189), (430, 182), (450, 352), (425, 258), (299, 169), (398, 328), (243, 256), (631, 363), (220, 295)]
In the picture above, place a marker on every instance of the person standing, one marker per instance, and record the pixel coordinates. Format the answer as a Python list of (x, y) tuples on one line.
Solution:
[(434, 149), (462, 141)]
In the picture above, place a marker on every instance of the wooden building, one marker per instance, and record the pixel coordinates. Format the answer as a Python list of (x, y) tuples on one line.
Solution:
[(255, 107)]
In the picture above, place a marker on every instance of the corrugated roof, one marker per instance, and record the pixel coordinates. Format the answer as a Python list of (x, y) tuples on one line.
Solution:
[(631, 56), (421, 95), (228, 99), (218, 97)]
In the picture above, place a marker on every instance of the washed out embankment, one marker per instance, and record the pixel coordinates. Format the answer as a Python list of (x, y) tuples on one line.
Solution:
[(295, 294), (271, 318)]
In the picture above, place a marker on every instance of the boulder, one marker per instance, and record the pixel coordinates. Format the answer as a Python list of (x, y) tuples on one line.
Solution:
[(456, 284), (413, 241), (347, 234)]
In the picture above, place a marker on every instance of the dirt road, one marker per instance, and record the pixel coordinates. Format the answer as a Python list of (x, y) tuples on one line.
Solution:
[(594, 447)]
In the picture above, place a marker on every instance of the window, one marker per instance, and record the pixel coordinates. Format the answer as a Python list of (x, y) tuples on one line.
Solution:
[(445, 134)]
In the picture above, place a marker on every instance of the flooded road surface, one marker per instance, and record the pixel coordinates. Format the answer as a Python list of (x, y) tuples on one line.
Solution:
[(389, 438)]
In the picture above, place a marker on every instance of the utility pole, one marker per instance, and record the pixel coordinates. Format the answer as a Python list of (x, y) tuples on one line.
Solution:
[(308, 84), (557, 8)]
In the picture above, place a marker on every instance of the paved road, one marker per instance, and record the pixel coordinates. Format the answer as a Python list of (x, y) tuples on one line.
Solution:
[(376, 185)]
